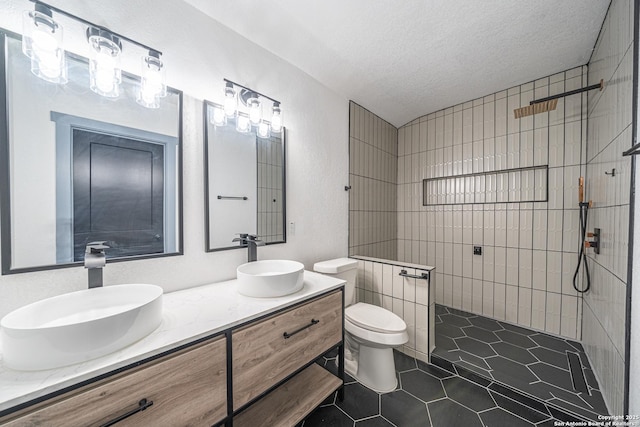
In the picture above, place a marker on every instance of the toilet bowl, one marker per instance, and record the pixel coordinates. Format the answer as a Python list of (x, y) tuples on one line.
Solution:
[(371, 332)]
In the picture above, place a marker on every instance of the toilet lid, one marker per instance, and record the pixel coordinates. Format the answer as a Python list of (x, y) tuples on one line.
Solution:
[(374, 318)]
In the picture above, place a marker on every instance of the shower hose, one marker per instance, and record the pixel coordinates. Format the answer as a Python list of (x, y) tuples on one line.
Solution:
[(582, 257)]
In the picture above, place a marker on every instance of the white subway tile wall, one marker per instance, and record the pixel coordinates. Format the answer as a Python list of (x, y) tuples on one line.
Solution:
[(529, 250), (380, 283), (270, 215), (609, 134), (373, 172)]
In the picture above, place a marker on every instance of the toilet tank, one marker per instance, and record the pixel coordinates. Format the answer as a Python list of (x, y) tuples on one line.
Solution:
[(341, 268)]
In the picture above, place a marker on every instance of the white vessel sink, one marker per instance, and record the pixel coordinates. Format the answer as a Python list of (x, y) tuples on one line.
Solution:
[(270, 278), (79, 326)]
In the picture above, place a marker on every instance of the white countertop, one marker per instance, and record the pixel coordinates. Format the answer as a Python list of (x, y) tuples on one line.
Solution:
[(188, 315)]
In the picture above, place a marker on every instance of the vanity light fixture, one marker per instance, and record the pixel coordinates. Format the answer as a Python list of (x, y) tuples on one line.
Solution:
[(42, 43), (152, 81), (251, 100), (105, 75)]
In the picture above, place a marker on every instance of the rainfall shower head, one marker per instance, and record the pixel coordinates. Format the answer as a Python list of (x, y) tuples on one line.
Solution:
[(536, 108), (550, 103)]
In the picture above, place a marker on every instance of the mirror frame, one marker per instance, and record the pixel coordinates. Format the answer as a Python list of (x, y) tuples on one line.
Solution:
[(5, 174), (207, 225)]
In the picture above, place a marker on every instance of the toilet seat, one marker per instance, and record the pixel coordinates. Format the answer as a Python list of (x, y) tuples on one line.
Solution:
[(375, 325), (375, 339), (374, 318)]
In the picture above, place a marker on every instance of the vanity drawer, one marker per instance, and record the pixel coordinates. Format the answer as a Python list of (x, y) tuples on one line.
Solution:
[(187, 389), (262, 356)]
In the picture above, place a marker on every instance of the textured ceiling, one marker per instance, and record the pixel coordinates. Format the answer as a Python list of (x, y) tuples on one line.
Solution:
[(403, 59)]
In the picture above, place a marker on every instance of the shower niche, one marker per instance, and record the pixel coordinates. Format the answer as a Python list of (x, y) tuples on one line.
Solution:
[(519, 185)]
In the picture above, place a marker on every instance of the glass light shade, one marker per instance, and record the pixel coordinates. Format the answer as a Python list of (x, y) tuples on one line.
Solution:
[(243, 125), (230, 101), (276, 118), (255, 112), (152, 81), (217, 116), (42, 42), (105, 75), (264, 130)]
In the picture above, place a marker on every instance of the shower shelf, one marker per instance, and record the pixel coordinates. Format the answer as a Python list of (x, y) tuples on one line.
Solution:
[(516, 185)]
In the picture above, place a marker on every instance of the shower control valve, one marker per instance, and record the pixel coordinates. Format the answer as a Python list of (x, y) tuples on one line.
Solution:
[(595, 243)]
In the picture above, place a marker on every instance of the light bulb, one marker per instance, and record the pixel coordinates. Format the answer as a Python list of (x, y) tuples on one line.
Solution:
[(42, 42), (105, 67), (105, 75), (217, 116), (276, 118), (148, 99), (230, 101), (255, 112), (46, 55), (263, 130), (243, 125), (152, 86)]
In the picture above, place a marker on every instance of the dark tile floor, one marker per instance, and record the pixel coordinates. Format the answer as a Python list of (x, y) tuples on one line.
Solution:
[(505, 357), (426, 396)]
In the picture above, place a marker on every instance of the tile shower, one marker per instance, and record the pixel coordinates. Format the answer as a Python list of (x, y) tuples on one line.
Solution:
[(529, 250), (524, 275)]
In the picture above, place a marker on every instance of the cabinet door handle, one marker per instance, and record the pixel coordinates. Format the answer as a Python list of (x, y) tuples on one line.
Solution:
[(289, 335), (142, 405)]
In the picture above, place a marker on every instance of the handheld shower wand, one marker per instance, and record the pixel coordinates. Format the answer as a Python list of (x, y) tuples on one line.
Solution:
[(582, 256)]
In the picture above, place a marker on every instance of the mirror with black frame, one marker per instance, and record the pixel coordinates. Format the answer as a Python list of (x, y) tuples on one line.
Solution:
[(244, 184), (78, 167)]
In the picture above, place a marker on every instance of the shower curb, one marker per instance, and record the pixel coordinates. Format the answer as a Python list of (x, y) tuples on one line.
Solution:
[(531, 402)]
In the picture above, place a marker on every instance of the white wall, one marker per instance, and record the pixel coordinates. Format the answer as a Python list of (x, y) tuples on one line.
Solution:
[(199, 53)]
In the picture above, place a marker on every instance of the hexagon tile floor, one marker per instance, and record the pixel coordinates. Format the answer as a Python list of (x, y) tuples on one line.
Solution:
[(426, 396), (489, 374), (513, 358)]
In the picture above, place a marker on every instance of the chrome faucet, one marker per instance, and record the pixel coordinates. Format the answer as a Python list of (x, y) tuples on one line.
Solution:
[(251, 242), (94, 260)]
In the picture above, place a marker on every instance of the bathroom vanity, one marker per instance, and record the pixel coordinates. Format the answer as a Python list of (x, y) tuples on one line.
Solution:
[(218, 358)]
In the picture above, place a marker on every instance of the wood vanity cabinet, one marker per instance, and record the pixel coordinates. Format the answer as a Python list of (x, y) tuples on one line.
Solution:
[(269, 351), (187, 388), (271, 372)]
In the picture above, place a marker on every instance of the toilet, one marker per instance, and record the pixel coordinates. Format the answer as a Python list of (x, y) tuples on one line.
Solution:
[(371, 332)]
